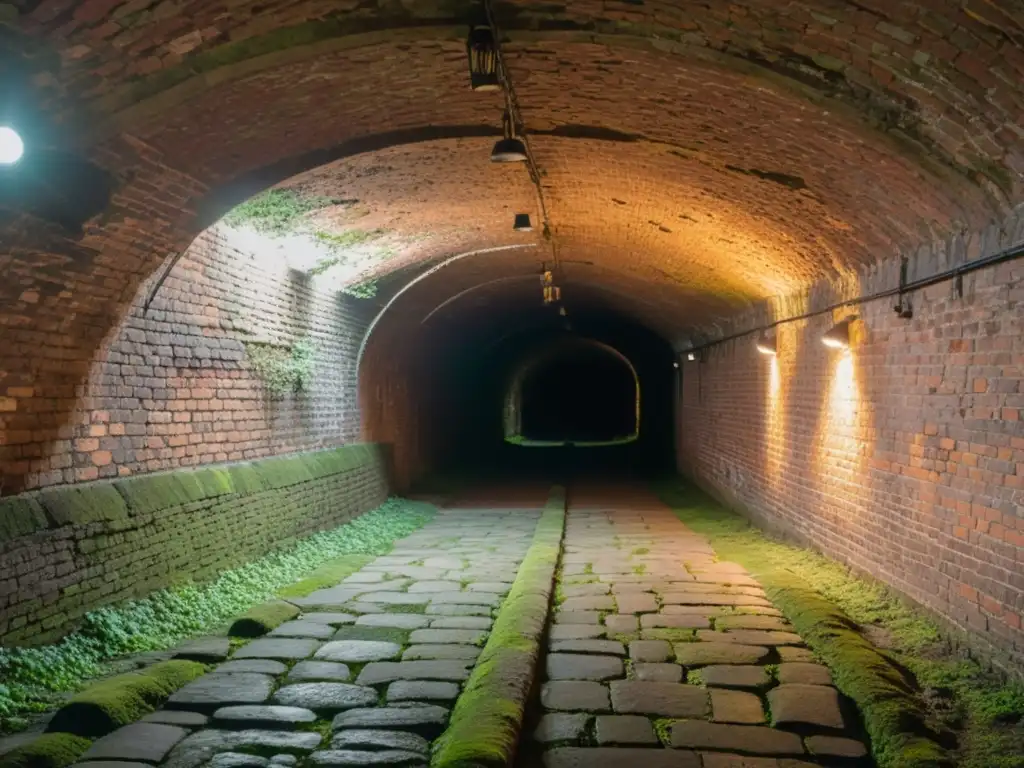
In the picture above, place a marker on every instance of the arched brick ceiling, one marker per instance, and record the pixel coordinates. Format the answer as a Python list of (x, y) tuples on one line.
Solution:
[(701, 155)]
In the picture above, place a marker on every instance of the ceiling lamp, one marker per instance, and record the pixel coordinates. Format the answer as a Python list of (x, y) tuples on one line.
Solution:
[(522, 223), (767, 344), (838, 336), (509, 149), (551, 292), (483, 59), (11, 146)]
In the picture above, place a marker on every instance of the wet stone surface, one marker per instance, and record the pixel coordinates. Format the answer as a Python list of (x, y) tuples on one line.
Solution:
[(702, 641)]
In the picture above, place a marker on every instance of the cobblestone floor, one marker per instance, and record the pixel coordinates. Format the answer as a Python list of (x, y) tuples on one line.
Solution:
[(661, 656), (367, 674)]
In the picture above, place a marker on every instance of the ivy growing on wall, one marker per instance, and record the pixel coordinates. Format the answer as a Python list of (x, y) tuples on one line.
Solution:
[(277, 211), (283, 369)]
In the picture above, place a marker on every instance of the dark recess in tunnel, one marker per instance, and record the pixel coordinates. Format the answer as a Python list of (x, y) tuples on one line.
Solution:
[(470, 372), (575, 391)]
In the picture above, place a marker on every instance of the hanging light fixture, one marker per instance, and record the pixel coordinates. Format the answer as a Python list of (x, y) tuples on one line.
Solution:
[(550, 291), (483, 59), (767, 344), (509, 149), (838, 336), (522, 223)]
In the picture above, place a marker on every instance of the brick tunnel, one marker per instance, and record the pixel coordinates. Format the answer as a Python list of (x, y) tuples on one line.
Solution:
[(616, 344)]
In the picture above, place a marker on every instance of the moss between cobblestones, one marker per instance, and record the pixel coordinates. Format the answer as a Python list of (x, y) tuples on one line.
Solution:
[(326, 576), (262, 618), (487, 719), (117, 701), (30, 677), (51, 750), (986, 714)]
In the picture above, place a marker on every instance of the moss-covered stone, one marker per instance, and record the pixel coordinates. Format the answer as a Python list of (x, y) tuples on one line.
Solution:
[(20, 516), (79, 505), (51, 750), (246, 479), (487, 719), (117, 701), (262, 618), (894, 716), (325, 576)]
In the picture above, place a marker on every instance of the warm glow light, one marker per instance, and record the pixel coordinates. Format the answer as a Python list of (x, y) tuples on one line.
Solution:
[(766, 345), (838, 336), (11, 146)]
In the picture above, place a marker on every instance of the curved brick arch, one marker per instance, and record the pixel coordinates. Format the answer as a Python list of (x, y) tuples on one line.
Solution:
[(538, 359), (896, 124)]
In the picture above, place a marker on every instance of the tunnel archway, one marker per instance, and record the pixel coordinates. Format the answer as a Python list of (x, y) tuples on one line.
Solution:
[(574, 391)]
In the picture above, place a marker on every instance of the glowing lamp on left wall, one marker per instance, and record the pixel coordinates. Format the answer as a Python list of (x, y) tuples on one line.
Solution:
[(12, 148)]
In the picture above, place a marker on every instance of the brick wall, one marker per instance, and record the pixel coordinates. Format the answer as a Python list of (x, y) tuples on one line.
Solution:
[(67, 550), (903, 458), (174, 387)]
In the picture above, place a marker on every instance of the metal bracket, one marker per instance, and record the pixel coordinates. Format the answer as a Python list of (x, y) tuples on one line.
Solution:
[(903, 308)]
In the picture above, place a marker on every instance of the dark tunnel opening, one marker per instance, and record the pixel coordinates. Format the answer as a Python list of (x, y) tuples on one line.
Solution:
[(586, 395), (578, 391)]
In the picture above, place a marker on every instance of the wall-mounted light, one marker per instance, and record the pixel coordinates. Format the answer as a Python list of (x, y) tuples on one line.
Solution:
[(766, 344), (838, 336), (691, 356), (522, 223), (11, 146), (509, 149), (483, 59)]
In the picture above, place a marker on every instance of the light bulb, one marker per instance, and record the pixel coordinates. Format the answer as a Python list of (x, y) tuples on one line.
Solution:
[(11, 146)]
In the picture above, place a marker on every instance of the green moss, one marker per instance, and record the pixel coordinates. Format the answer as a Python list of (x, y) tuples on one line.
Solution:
[(79, 505), (486, 722), (326, 576), (283, 368), (384, 634), (147, 494), (902, 730), (117, 701), (32, 677), (277, 211), (260, 619), (51, 750), (245, 479), (20, 516)]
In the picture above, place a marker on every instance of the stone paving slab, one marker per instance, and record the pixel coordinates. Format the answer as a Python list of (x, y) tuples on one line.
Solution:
[(426, 720), (278, 648), (389, 671), (380, 740), (609, 757), (674, 602), (358, 651), (270, 717), (325, 697), (212, 691), (319, 671), (143, 742)]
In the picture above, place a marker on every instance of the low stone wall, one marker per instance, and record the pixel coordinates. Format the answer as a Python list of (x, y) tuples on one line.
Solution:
[(67, 550)]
